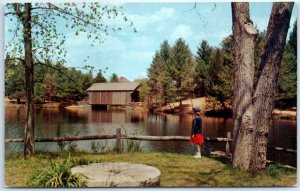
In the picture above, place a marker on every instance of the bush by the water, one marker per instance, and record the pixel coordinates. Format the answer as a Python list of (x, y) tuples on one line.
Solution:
[(59, 174)]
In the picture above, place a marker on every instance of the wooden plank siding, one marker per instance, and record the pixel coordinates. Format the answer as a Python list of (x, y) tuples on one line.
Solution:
[(109, 97), (113, 93)]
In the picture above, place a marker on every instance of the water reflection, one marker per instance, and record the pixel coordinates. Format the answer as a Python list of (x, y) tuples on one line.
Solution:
[(53, 123)]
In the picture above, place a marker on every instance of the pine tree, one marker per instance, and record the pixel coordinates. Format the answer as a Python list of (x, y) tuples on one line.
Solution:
[(180, 69), (113, 78), (203, 59), (99, 78)]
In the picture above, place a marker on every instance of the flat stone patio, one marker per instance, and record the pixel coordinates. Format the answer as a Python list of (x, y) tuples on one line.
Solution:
[(108, 174)]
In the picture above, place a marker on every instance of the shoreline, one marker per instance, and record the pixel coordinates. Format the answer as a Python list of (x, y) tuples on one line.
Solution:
[(172, 108)]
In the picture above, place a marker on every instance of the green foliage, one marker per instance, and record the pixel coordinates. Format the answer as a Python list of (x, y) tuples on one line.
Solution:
[(133, 146), (71, 146), (14, 79), (259, 48), (113, 78), (49, 87), (56, 175), (220, 78), (39, 93), (273, 170), (145, 89), (97, 146), (204, 52), (159, 82), (83, 161), (287, 83), (53, 82), (180, 69), (214, 71), (99, 78), (203, 59), (293, 38)]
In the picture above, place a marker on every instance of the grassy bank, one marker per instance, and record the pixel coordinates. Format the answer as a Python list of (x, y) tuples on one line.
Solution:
[(176, 169)]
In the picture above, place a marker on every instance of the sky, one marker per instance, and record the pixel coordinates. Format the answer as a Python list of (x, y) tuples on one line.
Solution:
[(129, 54)]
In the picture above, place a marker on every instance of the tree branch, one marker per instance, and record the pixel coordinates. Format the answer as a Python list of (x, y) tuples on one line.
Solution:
[(10, 13), (18, 10), (19, 59), (58, 9)]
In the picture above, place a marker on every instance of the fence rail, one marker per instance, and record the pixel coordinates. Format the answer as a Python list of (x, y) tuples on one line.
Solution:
[(118, 136), (132, 137)]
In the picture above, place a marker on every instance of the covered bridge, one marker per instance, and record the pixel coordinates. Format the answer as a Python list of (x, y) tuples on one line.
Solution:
[(114, 93)]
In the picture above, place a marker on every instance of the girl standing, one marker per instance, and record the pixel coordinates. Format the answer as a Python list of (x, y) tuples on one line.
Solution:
[(196, 133)]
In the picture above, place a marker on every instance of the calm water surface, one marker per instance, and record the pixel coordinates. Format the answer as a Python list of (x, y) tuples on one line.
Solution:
[(53, 123)]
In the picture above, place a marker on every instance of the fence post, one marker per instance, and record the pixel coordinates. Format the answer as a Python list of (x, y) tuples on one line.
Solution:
[(227, 143), (118, 140)]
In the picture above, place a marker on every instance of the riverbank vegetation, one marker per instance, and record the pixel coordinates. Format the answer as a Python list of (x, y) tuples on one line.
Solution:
[(176, 169)]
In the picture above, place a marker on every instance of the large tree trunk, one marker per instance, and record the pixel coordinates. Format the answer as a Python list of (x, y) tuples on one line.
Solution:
[(253, 102), (267, 77), (243, 131), (29, 149)]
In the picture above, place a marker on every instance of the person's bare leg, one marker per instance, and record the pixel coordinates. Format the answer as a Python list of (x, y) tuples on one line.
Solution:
[(198, 148), (198, 151)]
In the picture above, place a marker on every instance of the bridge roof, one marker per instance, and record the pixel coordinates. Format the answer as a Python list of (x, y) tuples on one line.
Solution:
[(125, 86)]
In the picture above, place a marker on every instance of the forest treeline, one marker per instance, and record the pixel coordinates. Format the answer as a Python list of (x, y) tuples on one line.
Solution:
[(53, 81), (176, 74)]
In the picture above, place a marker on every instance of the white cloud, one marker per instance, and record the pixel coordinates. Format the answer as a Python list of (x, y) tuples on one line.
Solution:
[(141, 21), (162, 14), (183, 31)]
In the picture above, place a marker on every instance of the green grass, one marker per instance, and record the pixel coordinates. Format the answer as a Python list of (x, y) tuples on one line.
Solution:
[(176, 169)]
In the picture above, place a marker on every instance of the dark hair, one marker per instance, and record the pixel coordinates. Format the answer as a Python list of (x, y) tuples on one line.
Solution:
[(196, 109)]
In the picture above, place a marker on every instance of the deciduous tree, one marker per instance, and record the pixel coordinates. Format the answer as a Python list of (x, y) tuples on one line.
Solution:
[(36, 39)]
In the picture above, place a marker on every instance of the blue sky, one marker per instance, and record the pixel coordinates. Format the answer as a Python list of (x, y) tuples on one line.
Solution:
[(129, 54)]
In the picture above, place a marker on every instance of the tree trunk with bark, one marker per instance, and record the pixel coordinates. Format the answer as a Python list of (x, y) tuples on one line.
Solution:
[(29, 147), (267, 78), (243, 131), (253, 101)]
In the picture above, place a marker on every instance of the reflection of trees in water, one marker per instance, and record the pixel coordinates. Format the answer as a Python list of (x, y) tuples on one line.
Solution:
[(51, 123), (283, 134), (216, 127)]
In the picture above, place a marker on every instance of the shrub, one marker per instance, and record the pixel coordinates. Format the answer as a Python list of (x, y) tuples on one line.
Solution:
[(83, 161), (57, 175), (133, 146), (98, 146)]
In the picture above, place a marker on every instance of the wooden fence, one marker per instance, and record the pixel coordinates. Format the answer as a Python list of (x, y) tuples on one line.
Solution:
[(118, 136)]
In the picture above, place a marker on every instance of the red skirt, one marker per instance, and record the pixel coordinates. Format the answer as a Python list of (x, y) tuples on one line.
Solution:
[(198, 139)]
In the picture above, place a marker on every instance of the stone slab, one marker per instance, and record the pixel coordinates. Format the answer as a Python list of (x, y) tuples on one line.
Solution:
[(108, 174)]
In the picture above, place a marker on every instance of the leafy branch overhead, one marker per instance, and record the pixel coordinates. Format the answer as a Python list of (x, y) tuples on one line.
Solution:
[(48, 19)]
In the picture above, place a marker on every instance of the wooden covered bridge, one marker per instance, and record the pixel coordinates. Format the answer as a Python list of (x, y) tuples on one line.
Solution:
[(116, 94)]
